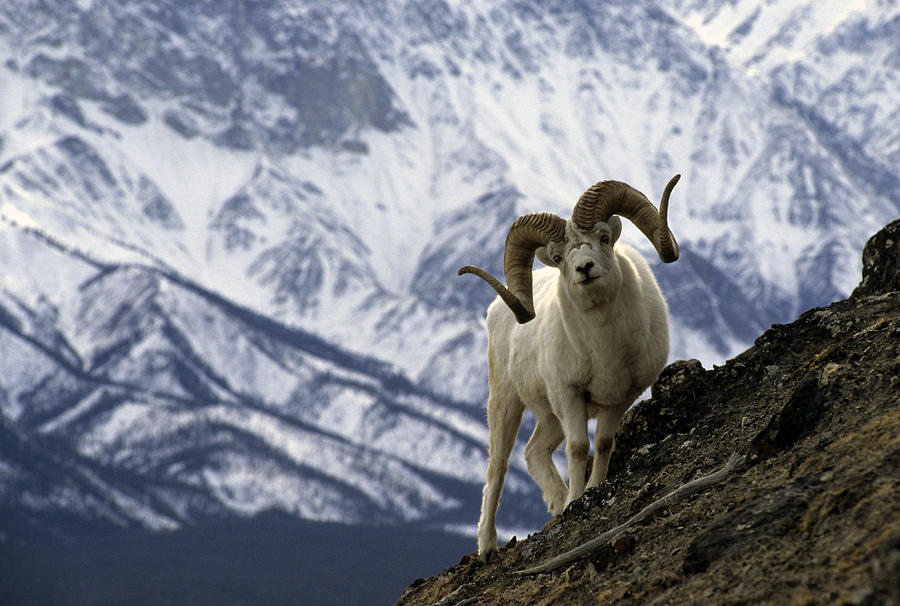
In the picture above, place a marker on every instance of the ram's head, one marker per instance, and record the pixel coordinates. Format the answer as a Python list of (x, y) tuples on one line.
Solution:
[(582, 247)]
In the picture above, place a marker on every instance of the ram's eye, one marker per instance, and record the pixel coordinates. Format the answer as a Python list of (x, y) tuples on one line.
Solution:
[(557, 259), (604, 239)]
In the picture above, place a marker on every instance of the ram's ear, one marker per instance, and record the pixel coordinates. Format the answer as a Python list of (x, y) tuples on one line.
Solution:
[(543, 255), (615, 228)]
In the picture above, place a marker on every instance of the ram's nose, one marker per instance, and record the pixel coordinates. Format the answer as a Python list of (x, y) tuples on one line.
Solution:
[(585, 268)]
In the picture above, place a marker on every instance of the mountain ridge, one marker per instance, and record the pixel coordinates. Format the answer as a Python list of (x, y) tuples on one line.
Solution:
[(462, 139), (97, 387)]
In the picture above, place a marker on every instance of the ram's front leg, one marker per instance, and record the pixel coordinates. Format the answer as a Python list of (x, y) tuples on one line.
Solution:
[(604, 442)]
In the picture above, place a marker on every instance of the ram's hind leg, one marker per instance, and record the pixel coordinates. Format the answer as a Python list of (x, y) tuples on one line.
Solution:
[(546, 438), (504, 418)]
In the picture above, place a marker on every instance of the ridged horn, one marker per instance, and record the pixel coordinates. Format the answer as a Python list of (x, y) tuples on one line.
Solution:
[(608, 198), (526, 234)]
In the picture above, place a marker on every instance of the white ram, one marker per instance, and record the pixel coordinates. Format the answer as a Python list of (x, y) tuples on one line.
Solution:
[(599, 338)]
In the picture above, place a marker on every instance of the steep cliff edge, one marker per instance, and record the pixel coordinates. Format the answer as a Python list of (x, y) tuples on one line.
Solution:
[(810, 515)]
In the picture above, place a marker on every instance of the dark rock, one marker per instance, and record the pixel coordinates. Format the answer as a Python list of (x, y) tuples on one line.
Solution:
[(181, 123), (355, 146), (795, 420), (771, 515), (68, 106), (675, 407), (125, 109), (156, 206), (623, 543), (881, 262), (236, 137), (886, 573)]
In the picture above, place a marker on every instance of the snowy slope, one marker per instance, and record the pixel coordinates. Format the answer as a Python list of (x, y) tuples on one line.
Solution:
[(197, 201), (179, 406)]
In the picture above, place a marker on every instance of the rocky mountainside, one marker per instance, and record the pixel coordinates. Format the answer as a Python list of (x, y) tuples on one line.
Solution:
[(809, 514)]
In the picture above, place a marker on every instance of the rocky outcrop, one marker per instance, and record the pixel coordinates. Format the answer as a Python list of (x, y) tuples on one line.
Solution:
[(812, 513), (881, 262)]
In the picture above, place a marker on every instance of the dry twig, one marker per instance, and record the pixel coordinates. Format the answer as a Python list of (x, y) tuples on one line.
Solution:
[(692, 487)]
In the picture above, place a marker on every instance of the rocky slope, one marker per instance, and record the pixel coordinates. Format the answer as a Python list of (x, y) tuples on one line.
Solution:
[(810, 515)]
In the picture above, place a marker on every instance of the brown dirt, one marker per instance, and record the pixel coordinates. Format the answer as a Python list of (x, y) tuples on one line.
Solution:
[(811, 517)]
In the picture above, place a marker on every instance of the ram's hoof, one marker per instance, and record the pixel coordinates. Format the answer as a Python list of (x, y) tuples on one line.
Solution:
[(488, 556), (557, 507)]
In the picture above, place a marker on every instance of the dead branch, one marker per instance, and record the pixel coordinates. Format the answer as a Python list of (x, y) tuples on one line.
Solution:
[(692, 487)]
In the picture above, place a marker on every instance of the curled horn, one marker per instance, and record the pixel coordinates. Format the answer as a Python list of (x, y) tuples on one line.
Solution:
[(526, 234), (608, 198)]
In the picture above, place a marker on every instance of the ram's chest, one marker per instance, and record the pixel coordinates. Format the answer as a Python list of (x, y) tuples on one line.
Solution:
[(606, 371), (610, 382)]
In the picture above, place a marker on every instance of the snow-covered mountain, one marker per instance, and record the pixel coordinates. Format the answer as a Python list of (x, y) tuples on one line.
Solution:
[(148, 399), (229, 232)]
